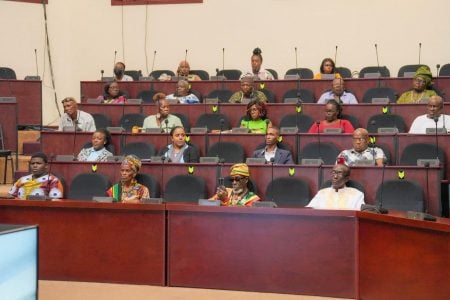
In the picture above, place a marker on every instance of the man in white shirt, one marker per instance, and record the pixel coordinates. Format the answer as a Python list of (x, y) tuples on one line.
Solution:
[(435, 107), (119, 72), (338, 93), (338, 196), (75, 118)]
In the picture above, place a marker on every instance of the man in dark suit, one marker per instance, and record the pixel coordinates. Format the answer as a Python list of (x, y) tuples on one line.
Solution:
[(271, 150)]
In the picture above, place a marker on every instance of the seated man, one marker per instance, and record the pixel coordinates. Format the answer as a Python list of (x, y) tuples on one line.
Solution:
[(39, 182), (338, 93), (185, 70), (159, 119), (338, 196), (75, 118), (239, 194), (421, 87), (183, 94), (247, 92), (119, 72), (361, 153), (434, 109), (280, 156)]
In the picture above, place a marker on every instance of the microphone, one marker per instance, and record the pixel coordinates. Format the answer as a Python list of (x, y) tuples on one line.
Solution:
[(185, 55), (373, 123), (167, 131), (436, 119), (335, 58), (74, 139), (101, 74), (318, 138), (298, 108), (223, 59), (438, 67), (36, 61), (380, 207), (378, 65), (153, 62), (219, 146), (163, 158), (427, 168), (50, 163), (267, 121), (420, 50), (272, 160), (296, 58), (115, 56)]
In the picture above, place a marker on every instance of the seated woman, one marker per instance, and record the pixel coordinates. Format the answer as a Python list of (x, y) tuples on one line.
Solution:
[(256, 117), (179, 151), (112, 94), (185, 70), (257, 70), (421, 89), (327, 67), (183, 94), (333, 112), (128, 190), (98, 152)]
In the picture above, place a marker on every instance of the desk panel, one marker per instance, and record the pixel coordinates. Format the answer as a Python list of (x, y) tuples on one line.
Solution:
[(8, 112), (98, 242), (29, 99)]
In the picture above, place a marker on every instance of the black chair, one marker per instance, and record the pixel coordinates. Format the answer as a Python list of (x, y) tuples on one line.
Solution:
[(135, 74), (151, 183), (379, 92), (7, 73), (385, 121), (366, 71), (230, 74), (222, 95), (350, 183), (304, 73), (352, 119), (416, 151), (200, 73), (127, 121), (401, 195), (101, 120), (305, 95), (184, 120), (142, 150), (273, 72), (344, 72), (156, 73), (269, 95), (109, 147), (445, 70), (7, 155), (325, 151), (229, 151), (213, 121), (301, 121), (409, 69), (87, 185), (288, 191), (146, 96), (185, 188), (251, 185)]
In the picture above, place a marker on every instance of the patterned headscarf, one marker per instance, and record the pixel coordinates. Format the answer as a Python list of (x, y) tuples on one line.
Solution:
[(133, 162), (239, 169), (424, 73)]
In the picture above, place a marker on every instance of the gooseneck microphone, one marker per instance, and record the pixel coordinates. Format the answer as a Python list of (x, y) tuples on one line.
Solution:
[(185, 55), (219, 145), (75, 127), (101, 74), (378, 65), (272, 160), (380, 207), (335, 58), (167, 131), (438, 67), (420, 51), (427, 168), (372, 146), (163, 158), (153, 63), (48, 187), (115, 56), (223, 59), (318, 139), (436, 119), (298, 108), (296, 58), (36, 62)]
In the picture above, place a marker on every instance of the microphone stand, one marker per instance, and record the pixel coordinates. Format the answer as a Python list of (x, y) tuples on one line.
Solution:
[(318, 140), (74, 139), (272, 160), (380, 208), (378, 65), (48, 188), (436, 119), (420, 50), (163, 158), (219, 145)]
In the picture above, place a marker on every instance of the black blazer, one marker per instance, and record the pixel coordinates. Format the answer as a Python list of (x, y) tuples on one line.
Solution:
[(190, 155)]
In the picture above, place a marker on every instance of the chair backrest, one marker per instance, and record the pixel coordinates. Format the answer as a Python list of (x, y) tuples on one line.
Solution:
[(383, 70), (146, 95), (445, 70), (301, 121), (400, 195), (230, 74), (87, 185), (142, 150), (344, 72), (352, 119), (222, 95), (269, 95), (151, 183), (185, 188), (127, 121), (273, 72), (229, 151), (350, 183), (101, 120), (201, 73), (156, 73), (7, 73), (416, 151), (288, 191), (184, 120), (385, 121), (212, 121), (135, 74), (325, 151), (304, 73), (251, 185), (305, 95), (379, 92), (409, 70)]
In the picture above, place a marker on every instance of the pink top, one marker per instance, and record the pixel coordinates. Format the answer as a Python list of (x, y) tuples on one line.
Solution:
[(346, 126)]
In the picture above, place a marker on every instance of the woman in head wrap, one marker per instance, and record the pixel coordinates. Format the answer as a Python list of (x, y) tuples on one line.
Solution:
[(128, 190), (421, 88)]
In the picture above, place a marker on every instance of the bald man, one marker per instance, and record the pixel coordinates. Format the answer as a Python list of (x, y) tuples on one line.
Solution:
[(435, 108), (185, 70), (361, 153), (338, 93)]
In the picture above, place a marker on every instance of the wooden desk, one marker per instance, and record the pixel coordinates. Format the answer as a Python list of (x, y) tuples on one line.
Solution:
[(29, 99), (8, 112), (99, 242)]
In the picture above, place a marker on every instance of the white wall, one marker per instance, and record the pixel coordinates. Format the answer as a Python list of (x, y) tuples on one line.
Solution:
[(85, 33)]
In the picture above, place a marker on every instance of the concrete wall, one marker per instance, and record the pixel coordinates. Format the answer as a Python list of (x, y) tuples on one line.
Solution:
[(85, 33)]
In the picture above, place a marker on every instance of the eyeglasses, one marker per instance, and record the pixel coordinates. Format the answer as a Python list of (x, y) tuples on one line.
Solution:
[(237, 179), (253, 109)]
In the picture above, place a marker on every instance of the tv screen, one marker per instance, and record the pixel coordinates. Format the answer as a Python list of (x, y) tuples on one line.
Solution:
[(18, 262)]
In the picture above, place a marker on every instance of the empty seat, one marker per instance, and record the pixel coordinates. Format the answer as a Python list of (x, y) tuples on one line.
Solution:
[(200, 73), (213, 122), (7, 73), (352, 119), (445, 70), (222, 95), (273, 72), (380, 92), (372, 71), (127, 121), (184, 120), (305, 95), (269, 95), (229, 151), (288, 191), (101, 120), (304, 73), (416, 151), (230, 74), (185, 188), (150, 182), (135, 74), (386, 121), (325, 151), (400, 195), (147, 95), (301, 121), (142, 150), (87, 185), (344, 72), (410, 70)]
